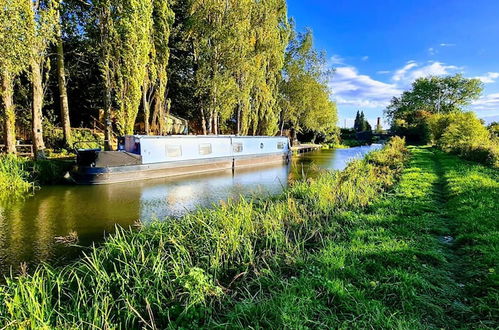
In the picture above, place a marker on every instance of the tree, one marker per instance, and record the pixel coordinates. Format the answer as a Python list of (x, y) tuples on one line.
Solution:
[(14, 58), (42, 22), (360, 123), (305, 97), (61, 80), (357, 124), (435, 95), (154, 87)]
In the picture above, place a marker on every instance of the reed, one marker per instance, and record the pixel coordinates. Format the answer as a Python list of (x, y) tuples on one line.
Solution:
[(14, 177), (177, 273)]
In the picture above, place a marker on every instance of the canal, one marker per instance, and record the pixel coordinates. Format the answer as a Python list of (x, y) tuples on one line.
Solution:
[(28, 228)]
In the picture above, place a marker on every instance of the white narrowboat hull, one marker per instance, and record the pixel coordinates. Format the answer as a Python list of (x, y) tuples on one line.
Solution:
[(218, 154)]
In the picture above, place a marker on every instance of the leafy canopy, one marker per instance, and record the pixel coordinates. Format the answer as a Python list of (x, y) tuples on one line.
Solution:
[(435, 95)]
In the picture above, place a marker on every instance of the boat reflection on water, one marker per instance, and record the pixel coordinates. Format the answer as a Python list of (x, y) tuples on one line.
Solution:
[(175, 198)]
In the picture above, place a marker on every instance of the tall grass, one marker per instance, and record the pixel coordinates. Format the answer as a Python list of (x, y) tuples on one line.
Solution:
[(14, 177), (176, 273)]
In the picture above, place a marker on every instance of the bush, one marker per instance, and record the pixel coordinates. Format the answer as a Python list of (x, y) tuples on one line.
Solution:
[(465, 135)]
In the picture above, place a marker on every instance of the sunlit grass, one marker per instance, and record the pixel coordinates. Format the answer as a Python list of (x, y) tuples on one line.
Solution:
[(351, 249)]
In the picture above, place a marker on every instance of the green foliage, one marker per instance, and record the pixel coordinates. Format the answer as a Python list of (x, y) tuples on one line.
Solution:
[(305, 96), (435, 95), (361, 124), (15, 180), (184, 272), (465, 135), (82, 137)]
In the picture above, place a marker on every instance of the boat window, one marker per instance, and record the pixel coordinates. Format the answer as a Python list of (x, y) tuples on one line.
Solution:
[(173, 151), (280, 145), (261, 145), (237, 147), (205, 149)]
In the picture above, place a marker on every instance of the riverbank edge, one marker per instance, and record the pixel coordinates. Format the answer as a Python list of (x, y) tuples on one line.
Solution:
[(193, 262)]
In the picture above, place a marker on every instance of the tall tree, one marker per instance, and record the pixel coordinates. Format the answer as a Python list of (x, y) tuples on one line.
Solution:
[(271, 35), (213, 36), (357, 124), (132, 20), (14, 58), (305, 97), (61, 80), (155, 84), (42, 20)]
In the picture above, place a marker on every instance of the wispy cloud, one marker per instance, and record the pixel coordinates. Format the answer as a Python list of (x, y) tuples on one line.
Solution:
[(432, 51), (489, 77), (365, 58), (337, 59), (383, 72), (447, 45), (487, 102), (413, 70), (351, 88)]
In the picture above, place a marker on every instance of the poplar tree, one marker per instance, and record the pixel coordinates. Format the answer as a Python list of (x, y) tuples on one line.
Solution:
[(61, 79), (270, 34), (14, 58), (154, 88), (42, 22), (133, 26), (213, 34)]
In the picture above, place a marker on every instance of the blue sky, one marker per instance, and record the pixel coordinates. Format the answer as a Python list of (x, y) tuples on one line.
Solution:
[(379, 47)]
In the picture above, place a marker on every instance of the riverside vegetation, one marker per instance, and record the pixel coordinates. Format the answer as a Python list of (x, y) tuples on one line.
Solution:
[(336, 251)]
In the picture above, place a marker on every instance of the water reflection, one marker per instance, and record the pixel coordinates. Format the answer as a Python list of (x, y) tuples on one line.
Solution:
[(28, 228)]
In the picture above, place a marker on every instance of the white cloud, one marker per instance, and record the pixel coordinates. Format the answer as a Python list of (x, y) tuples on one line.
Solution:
[(447, 45), (489, 77), (351, 88), (432, 51), (400, 74), (383, 72), (337, 59), (487, 102), (365, 58), (412, 71)]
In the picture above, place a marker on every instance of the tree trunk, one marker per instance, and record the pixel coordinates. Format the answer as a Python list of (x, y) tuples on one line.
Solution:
[(215, 123), (63, 94), (9, 114), (238, 130), (203, 121), (147, 109), (37, 116), (210, 123)]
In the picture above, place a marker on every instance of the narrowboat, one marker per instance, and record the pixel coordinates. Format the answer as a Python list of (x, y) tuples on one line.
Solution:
[(142, 157)]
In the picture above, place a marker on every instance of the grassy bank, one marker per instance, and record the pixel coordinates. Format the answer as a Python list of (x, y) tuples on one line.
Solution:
[(334, 252), (180, 272), (423, 257)]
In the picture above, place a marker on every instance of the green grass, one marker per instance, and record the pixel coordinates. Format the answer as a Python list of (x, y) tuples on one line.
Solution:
[(15, 181), (353, 249)]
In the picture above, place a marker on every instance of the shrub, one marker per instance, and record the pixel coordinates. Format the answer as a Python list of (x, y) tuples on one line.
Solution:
[(465, 135)]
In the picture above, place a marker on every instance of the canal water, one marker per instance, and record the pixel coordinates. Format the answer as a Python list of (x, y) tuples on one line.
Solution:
[(28, 228)]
